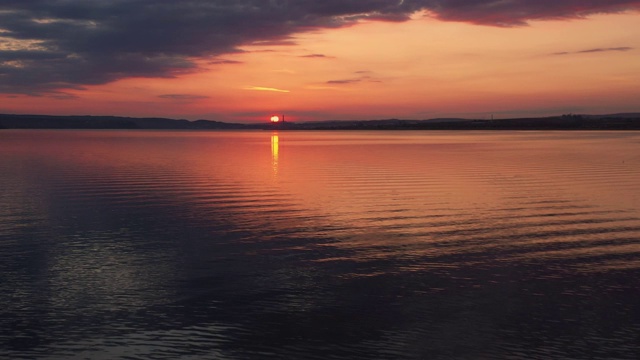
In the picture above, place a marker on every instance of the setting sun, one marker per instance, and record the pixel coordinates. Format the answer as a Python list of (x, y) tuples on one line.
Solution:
[(275, 119)]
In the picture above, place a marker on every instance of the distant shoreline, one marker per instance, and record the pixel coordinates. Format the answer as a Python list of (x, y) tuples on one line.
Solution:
[(628, 121)]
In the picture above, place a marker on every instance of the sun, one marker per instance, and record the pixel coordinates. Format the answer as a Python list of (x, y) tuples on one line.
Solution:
[(275, 119)]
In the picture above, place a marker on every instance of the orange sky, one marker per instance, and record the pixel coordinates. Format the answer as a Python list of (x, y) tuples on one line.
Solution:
[(418, 69)]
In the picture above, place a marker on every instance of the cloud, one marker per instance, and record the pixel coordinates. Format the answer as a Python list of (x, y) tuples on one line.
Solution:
[(366, 78), (316, 56), (260, 88), (183, 97), (224, 62), (596, 50), (344, 81), (506, 13), (49, 46), (605, 49)]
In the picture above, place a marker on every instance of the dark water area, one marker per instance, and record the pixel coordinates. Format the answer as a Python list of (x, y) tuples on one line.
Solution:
[(319, 245)]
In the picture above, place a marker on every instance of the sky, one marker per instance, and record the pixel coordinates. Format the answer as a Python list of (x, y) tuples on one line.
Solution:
[(245, 60)]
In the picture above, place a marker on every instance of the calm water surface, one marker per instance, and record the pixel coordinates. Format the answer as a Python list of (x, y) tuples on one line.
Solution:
[(319, 245)]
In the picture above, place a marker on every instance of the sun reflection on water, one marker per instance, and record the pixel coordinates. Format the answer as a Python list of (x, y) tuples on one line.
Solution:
[(275, 149)]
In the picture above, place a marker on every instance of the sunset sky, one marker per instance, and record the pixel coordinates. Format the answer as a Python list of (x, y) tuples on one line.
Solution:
[(244, 60)]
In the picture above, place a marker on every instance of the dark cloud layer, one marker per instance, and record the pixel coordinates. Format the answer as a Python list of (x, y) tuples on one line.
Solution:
[(73, 43)]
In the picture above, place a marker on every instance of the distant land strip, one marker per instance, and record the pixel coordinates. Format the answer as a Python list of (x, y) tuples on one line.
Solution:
[(626, 121)]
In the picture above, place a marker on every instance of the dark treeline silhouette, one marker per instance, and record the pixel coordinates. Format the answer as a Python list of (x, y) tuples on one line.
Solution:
[(106, 122), (563, 122)]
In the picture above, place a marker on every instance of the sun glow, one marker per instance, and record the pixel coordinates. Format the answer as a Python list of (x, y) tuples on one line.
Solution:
[(275, 119)]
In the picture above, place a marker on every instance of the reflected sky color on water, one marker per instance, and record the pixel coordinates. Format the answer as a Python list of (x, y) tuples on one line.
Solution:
[(319, 245)]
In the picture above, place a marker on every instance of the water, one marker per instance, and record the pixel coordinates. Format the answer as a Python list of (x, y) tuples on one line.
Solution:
[(319, 245)]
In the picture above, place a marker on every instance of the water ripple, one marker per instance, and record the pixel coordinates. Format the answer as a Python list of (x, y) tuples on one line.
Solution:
[(386, 245)]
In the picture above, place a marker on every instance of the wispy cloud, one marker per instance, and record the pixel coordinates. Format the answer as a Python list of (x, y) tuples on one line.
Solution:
[(317, 56), (625, 48), (261, 88), (224, 62), (596, 50), (183, 97), (344, 81), (366, 78)]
